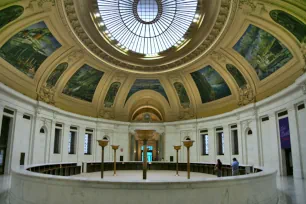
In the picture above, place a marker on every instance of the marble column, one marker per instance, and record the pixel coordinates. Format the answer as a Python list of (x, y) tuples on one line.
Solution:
[(212, 144), (64, 142), (51, 141), (227, 144), (80, 144)]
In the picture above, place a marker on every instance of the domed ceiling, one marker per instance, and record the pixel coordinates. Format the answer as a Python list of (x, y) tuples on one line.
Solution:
[(151, 60)]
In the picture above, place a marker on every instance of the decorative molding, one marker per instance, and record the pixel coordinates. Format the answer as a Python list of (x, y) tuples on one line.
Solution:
[(54, 115), (46, 94), (246, 95), (303, 50), (243, 4), (245, 124), (216, 32), (75, 55), (186, 114), (303, 87), (106, 113), (119, 77), (40, 5), (237, 116), (217, 56)]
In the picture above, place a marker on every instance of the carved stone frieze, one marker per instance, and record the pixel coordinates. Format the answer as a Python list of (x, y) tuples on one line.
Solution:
[(303, 50), (252, 7), (75, 55), (246, 95), (247, 3), (186, 114), (46, 94), (217, 56), (119, 77), (40, 5), (81, 34), (303, 87), (107, 113), (246, 124)]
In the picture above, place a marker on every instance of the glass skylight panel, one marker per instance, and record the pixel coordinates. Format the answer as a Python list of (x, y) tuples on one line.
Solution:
[(146, 26)]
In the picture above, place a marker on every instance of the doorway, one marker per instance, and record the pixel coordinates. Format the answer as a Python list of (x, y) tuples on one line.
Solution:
[(149, 153), (285, 144), (288, 160), (152, 150), (4, 142)]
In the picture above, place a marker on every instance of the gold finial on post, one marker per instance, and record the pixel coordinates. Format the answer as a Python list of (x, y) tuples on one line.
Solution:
[(115, 147), (177, 148), (188, 144)]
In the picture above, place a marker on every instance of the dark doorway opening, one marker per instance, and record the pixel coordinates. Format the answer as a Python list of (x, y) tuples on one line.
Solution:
[(4, 138), (289, 166)]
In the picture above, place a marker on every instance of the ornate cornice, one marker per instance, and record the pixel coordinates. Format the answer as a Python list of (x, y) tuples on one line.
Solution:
[(225, 14)]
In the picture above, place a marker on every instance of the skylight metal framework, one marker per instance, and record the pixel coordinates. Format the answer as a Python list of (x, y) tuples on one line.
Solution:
[(146, 26)]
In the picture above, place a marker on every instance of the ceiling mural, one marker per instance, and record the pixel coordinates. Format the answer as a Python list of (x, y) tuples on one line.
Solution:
[(292, 24), (237, 75), (10, 14), (111, 94), (147, 84), (29, 48), (210, 84), (182, 94), (82, 85), (56, 74), (263, 51)]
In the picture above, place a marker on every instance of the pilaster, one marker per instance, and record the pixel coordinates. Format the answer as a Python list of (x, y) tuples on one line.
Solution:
[(295, 142)]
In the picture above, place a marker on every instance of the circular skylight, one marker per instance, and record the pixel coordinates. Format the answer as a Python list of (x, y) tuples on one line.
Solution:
[(146, 26)]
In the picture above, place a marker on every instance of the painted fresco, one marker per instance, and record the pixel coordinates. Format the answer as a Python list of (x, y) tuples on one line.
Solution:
[(111, 94), (237, 75), (263, 51), (182, 94), (29, 48), (10, 14), (56, 74), (210, 84), (82, 85), (147, 84), (292, 24)]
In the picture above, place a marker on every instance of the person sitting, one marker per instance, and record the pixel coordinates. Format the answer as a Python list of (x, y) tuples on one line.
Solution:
[(218, 168), (235, 167)]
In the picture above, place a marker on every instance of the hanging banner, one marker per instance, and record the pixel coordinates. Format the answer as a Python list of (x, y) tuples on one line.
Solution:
[(284, 133)]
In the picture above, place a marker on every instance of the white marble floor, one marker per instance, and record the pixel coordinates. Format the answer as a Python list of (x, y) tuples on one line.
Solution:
[(291, 191)]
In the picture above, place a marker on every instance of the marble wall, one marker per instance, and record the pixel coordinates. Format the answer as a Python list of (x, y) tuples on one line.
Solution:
[(261, 148)]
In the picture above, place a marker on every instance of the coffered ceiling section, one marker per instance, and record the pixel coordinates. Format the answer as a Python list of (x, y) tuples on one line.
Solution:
[(151, 60)]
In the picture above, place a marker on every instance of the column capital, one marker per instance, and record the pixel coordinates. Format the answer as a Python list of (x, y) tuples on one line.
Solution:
[(303, 87), (290, 107)]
